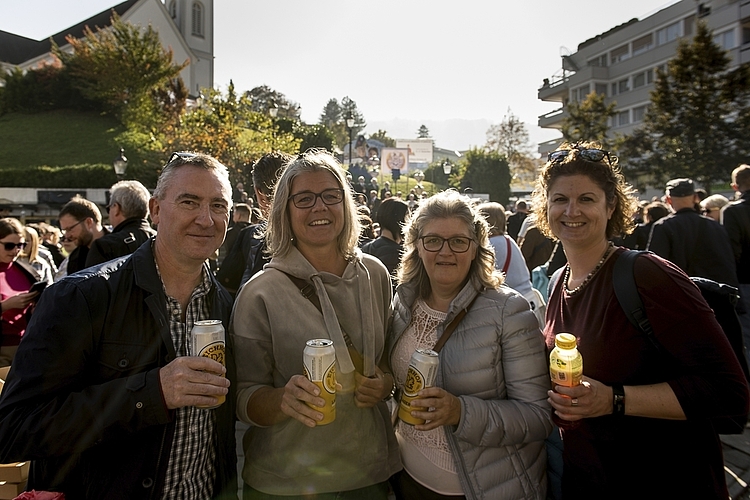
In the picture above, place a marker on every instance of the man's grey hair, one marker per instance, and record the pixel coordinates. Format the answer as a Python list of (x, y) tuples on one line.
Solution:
[(132, 198), (201, 160)]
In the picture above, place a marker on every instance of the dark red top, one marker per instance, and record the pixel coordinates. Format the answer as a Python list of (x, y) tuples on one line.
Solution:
[(630, 457)]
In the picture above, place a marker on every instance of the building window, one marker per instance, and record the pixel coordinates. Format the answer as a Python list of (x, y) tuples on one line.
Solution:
[(600, 61), (643, 44), (580, 93), (173, 9), (619, 54), (643, 78), (689, 25), (666, 35), (639, 113), (725, 40), (623, 118), (623, 86), (601, 88), (197, 19)]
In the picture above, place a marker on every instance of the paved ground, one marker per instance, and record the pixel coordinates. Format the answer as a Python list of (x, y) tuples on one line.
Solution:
[(737, 464)]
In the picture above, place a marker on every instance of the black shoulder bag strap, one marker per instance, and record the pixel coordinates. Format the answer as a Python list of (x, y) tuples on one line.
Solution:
[(307, 290), (623, 281)]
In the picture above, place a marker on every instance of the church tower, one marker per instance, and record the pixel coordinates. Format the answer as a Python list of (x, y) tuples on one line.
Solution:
[(195, 20)]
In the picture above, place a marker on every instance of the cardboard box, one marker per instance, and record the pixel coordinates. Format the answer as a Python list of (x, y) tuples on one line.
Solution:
[(14, 473), (9, 491)]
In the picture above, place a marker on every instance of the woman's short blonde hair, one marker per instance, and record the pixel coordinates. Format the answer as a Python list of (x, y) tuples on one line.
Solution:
[(494, 213), (448, 205), (605, 173), (279, 234)]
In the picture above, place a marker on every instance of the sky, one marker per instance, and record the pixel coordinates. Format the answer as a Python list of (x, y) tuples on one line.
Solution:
[(456, 66)]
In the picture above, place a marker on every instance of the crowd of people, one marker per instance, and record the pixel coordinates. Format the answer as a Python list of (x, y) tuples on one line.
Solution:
[(108, 398)]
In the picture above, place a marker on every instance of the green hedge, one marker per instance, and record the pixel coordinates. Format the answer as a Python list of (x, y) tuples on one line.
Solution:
[(74, 176)]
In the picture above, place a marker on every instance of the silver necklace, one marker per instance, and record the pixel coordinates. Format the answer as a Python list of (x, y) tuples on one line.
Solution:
[(588, 276)]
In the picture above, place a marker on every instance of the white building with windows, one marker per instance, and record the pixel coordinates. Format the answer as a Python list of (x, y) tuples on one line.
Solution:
[(622, 63), (185, 26)]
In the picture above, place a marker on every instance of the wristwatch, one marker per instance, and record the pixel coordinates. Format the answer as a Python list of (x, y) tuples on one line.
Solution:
[(618, 400)]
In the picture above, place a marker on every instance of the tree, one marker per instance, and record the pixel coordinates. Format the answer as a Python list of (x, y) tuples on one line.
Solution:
[(334, 117), (121, 67), (423, 132), (382, 136), (264, 97), (697, 125), (226, 128), (510, 138), (314, 136), (588, 120), (488, 172)]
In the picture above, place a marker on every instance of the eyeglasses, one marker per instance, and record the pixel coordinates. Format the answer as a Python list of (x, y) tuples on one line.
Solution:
[(586, 154), (71, 227), (180, 155), (308, 199), (457, 244), (10, 246)]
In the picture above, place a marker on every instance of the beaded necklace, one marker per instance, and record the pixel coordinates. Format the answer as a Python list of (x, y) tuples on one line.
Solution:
[(590, 275)]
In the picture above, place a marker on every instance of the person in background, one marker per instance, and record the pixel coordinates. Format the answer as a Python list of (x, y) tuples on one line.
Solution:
[(42, 251), (81, 220), (642, 414), (51, 237), (30, 255), (312, 237), (487, 415), (240, 220), (735, 218), (508, 257), (107, 396), (711, 206), (16, 278), (128, 214), (392, 215), (516, 219)]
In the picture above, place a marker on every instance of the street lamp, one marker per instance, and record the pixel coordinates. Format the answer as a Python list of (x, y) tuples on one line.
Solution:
[(120, 164), (273, 109), (350, 126), (447, 167)]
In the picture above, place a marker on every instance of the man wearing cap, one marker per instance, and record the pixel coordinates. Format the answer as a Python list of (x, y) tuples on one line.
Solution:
[(696, 244)]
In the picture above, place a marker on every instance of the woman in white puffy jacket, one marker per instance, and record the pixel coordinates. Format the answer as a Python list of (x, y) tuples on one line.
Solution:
[(487, 416)]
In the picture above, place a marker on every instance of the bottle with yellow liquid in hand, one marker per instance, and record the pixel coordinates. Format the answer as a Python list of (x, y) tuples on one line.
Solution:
[(565, 362)]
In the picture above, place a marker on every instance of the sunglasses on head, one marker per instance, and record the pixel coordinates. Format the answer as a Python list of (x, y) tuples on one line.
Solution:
[(588, 154), (180, 155), (10, 246)]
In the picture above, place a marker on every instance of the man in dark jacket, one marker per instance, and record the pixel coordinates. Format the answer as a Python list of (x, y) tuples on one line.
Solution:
[(696, 244), (128, 213), (104, 393), (516, 219), (80, 222), (736, 220)]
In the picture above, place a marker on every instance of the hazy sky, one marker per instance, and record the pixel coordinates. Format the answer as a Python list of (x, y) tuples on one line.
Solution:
[(404, 62)]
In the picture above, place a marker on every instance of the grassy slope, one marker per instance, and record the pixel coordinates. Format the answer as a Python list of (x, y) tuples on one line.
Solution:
[(57, 138)]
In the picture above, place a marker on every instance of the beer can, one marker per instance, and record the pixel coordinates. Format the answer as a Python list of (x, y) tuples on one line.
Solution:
[(319, 358), (422, 373), (207, 338)]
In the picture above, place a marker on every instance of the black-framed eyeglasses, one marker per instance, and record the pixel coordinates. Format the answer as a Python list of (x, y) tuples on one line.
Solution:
[(74, 225), (588, 154), (10, 246), (457, 244), (180, 155), (308, 199)]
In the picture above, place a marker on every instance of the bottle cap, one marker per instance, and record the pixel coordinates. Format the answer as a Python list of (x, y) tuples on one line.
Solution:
[(565, 341)]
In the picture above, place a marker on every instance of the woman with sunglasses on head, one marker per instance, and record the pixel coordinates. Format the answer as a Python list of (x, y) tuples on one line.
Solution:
[(641, 423), (16, 279), (487, 414), (312, 237)]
